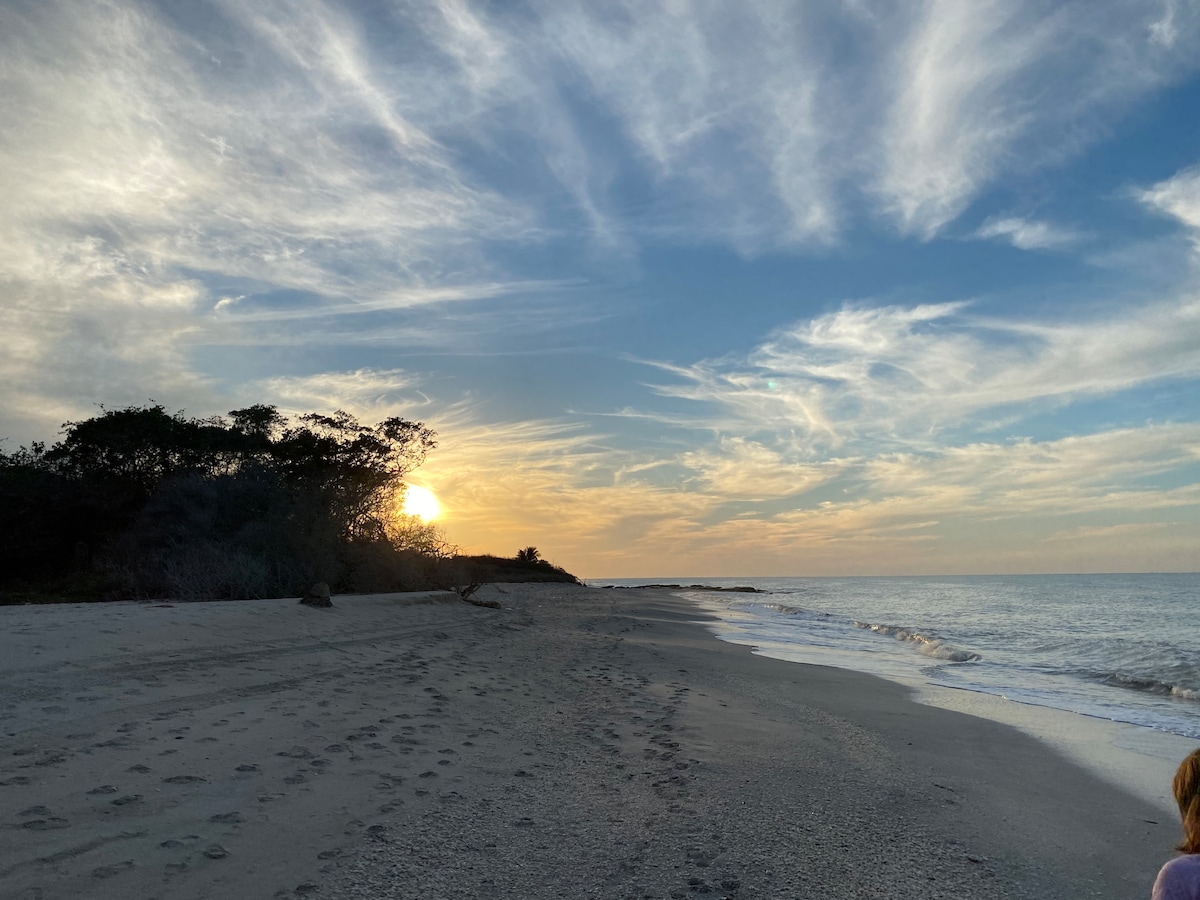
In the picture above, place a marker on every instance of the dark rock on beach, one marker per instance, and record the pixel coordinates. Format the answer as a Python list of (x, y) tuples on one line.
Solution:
[(318, 596)]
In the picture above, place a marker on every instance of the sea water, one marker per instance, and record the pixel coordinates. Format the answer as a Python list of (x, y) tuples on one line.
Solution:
[(1120, 647)]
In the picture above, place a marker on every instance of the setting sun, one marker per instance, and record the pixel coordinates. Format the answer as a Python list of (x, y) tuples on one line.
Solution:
[(421, 502)]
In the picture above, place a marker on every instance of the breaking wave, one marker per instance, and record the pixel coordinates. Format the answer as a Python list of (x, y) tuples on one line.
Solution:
[(1145, 684), (788, 610), (928, 645)]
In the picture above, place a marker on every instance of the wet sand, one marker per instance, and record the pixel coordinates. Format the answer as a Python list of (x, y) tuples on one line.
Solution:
[(578, 743)]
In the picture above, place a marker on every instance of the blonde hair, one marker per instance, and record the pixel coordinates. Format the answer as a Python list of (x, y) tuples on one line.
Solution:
[(1187, 795)]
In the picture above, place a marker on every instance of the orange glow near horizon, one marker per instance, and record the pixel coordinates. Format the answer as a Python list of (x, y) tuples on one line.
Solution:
[(421, 502)]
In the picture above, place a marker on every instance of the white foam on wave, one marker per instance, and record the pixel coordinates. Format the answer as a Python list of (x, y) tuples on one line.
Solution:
[(1152, 683), (928, 645)]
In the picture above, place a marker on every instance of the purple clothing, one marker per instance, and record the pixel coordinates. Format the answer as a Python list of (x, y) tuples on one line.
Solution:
[(1179, 879)]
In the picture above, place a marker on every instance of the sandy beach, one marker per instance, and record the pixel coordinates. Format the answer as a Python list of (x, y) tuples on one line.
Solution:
[(576, 743)]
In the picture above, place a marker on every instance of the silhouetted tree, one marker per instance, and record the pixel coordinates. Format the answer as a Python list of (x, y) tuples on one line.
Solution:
[(214, 507), (529, 555)]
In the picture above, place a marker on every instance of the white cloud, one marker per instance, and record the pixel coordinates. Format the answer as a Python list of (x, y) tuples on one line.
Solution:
[(1178, 18), (371, 394), (736, 468), (897, 374), (721, 104), (1178, 196), (955, 509), (1026, 234), (1123, 532), (956, 106), (154, 177), (1002, 85)]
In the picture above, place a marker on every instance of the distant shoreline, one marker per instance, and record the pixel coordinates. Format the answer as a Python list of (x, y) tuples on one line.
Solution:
[(745, 589)]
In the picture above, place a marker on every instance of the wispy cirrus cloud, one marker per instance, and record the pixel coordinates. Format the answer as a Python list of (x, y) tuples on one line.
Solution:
[(1027, 234), (770, 502), (156, 167), (952, 510), (1178, 197), (297, 146), (366, 393), (902, 373), (169, 153), (977, 87)]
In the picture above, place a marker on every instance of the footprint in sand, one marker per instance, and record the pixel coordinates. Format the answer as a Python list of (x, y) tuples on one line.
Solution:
[(127, 800), (115, 869), (184, 779), (296, 753), (104, 789), (51, 824)]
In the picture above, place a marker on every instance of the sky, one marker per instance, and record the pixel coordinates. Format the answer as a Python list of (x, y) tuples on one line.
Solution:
[(841, 287)]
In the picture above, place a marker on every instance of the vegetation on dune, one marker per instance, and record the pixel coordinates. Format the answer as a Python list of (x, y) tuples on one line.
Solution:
[(142, 502)]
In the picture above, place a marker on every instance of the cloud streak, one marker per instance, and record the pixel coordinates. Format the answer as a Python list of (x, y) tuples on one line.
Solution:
[(1027, 234), (896, 374), (1178, 197)]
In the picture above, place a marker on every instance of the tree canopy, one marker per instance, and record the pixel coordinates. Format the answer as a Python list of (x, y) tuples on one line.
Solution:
[(153, 498)]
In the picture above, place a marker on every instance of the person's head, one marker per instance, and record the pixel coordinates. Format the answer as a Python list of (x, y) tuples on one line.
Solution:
[(1187, 795)]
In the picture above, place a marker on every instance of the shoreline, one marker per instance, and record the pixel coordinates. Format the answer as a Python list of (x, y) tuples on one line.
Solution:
[(1131, 757), (576, 742)]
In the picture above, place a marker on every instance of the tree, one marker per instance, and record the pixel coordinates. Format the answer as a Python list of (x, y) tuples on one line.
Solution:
[(260, 422), (353, 472), (233, 507), (138, 447), (529, 555)]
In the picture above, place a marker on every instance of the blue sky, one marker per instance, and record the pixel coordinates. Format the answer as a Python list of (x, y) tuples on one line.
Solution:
[(686, 288)]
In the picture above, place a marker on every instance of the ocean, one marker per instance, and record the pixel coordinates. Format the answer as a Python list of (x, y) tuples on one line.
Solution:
[(1125, 648)]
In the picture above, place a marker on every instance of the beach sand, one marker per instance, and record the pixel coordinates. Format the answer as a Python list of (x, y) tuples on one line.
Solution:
[(577, 743)]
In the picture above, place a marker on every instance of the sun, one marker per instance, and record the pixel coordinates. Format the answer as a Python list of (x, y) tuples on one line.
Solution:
[(421, 502)]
